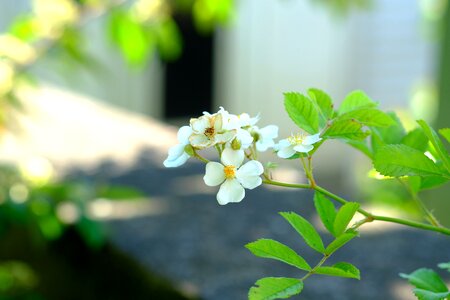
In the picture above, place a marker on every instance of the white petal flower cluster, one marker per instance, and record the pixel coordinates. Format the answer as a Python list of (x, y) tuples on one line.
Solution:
[(296, 143), (235, 137)]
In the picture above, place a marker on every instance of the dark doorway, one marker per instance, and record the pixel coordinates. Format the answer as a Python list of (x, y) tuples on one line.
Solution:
[(189, 79)]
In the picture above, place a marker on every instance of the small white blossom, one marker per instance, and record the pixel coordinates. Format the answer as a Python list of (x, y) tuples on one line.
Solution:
[(232, 176), (208, 131), (296, 143), (177, 156), (264, 137)]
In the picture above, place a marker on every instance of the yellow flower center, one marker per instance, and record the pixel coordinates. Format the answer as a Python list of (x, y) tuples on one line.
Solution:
[(230, 172), (296, 139)]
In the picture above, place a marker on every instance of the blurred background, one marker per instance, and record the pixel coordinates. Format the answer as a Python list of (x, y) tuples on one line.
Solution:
[(92, 92)]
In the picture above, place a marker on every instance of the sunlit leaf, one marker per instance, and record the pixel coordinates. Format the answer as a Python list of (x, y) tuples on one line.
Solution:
[(275, 288), (302, 111), (437, 143), (305, 229), (356, 100), (324, 103), (426, 279), (344, 216), (339, 242), (368, 117), (325, 209), (346, 129), (268, 248), (341, 269)]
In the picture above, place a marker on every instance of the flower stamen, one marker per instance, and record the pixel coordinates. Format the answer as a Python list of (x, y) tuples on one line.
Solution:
[(296, 139), (230, 172)]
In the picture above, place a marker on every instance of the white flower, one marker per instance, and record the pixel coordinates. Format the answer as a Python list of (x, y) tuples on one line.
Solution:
[(208, 130), (177, 156), (233, 177), (264, 137), (296, 143)]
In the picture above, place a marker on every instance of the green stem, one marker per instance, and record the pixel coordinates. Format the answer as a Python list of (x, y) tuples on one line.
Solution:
[(369, 217), (319, 264), (199, 157)]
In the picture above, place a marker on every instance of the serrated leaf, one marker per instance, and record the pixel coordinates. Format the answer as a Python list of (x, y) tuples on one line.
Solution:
[(339, 242), (275, 288), (347, 130), (387, 135), (426, 279), (341, 269), (437, 143), (445, 132), (305, 229), (344, 216), (302, 111), (324, 103), (368, 117), (401, 160), (268, 248), (356, 100), (430, 182), (428, 295), (416, 139), (326, 211)]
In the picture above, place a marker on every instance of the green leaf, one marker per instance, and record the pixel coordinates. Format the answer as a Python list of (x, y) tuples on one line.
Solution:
[(368, 117), (346, 129), (422, 294), (169, 40), (268, 248), (131, 37), (444, 266), (339, 242), (344, 216), (401, 160), (437, 143), (430, 182), (416, 139), (341, 269), (302, 111), (305, 229), (362, 146), (356, 100), (426, 279), (387, 135), (445, 132), (325, 209), (275, 288), (324, 104)]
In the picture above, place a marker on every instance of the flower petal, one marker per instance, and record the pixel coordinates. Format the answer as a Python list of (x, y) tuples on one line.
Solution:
[(244, 137), (183, 134), (269, 132), (248, 174), (176, 156), (218, 122), (199, 125), (284, 143), (199, 141), (225, 137), (214, 174), (286, 152), (232, 157), (303, 148), (311, 139), (230, 191)]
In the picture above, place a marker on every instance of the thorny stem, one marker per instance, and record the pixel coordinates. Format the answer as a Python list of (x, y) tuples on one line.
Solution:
[(369, 217)]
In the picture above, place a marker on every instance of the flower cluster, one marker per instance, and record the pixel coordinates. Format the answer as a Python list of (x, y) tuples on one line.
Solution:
[(235, 137)]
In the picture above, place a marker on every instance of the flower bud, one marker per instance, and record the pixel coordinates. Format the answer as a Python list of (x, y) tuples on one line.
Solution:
[(189, 150), (236, 144)]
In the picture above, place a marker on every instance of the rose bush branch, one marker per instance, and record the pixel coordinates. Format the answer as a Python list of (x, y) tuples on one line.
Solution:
[(417, 159)]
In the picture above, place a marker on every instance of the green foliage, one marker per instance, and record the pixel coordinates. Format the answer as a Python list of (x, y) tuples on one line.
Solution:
[(341, 269), (402, 160), (346, 129), (339, 242), (429, 285), (324, 105), (445, 132), (344, 216), (368, 117), (275, 288), (302, 111), (437, 144), (356, 100), (325, 209), (305, 229), (445, 266), (268, 248), (416, 139)]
